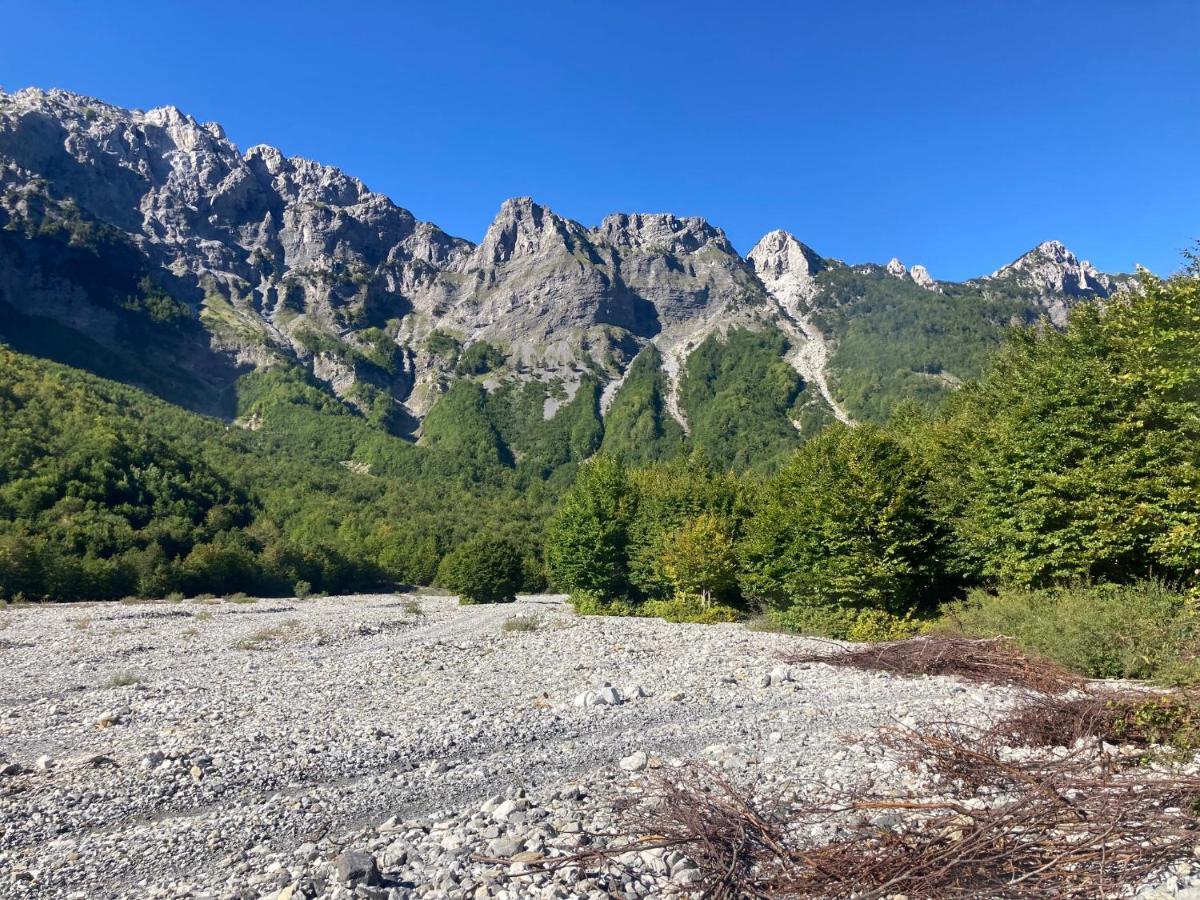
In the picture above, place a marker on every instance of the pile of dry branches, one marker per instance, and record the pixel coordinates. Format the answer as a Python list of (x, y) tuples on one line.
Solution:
[(987, 660), (1139, 718), (1065, 825)]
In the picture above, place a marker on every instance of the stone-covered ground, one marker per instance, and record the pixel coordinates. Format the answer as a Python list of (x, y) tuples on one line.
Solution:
[(395, 746)]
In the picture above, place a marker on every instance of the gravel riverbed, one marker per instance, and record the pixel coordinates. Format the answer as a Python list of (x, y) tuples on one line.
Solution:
[(394, 746)]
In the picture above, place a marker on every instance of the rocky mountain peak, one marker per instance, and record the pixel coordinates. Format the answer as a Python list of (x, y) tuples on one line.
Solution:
[(786, 267), (778, 252), (921, 276), (661, 232), (1051, 268), (523, 227)]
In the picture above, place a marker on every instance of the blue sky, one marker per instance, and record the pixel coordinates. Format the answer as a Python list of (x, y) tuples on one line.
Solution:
[(954, 134)]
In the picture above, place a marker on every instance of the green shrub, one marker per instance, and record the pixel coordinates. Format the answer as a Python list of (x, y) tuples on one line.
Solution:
[(859, 625), (845, 524), (483, 570), (587, 540), (521, 623), (1143, 630), (586, 604), (302, 590), (479, 359), (689, 608)]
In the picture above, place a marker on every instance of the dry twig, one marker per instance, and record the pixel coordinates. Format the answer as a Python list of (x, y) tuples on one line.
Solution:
[(986, 660)]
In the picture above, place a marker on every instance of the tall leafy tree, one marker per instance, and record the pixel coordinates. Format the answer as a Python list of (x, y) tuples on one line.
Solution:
[(845, 523), (1077, 455), (587, 540)]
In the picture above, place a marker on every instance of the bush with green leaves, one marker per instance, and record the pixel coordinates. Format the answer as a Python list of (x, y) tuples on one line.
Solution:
[(859, 625), (483, 570), (480, 358), (1077, 455), (845, 524), (1143, 630)]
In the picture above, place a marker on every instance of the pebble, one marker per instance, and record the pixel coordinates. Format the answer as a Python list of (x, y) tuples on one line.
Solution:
[(635, 762)]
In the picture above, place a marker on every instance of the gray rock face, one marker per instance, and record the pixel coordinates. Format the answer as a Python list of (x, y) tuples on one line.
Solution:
[(787, 268), (1057, 275), (279, 258)]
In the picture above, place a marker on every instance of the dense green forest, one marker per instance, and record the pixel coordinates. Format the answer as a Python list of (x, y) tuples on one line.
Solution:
[(896, 341), (1073, 458), (107, 492)]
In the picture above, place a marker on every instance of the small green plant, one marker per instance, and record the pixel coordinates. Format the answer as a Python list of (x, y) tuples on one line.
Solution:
[(302, 590), (1146, 630), (123, 679), (1172, 720), (174, 597), (241, 598), (858, 625), (412, 606), (203, 616), (689, 608), (588, 604), (272, 636), (191, 632), (521, 623), (82, 624)]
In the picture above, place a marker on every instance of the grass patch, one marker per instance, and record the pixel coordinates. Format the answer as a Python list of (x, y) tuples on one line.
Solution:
[(273, 636), (82, 624), (413, 607), (240, 598), (690, 609), (586, 604), (1144, 631), (521, 623)]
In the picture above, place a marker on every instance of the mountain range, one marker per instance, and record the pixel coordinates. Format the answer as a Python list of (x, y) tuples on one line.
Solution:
[(147, 248)]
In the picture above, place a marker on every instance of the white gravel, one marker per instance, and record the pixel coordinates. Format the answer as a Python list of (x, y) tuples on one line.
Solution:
[(273, 749)]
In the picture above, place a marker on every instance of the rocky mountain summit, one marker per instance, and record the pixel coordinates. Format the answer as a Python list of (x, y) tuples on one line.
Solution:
[(147, 247)]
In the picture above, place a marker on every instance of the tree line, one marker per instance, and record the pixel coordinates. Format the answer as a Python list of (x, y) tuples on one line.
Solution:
[(1074, 458)]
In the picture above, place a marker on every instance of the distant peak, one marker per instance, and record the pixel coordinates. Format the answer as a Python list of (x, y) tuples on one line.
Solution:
[(781, 249), (921, 276), (1051, 268), (787, 268), (664, 231), (523, 227), (1053, 252)]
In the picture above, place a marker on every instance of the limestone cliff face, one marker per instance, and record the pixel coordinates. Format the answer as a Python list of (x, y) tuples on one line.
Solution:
[(158, 243), (1057, 277)]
